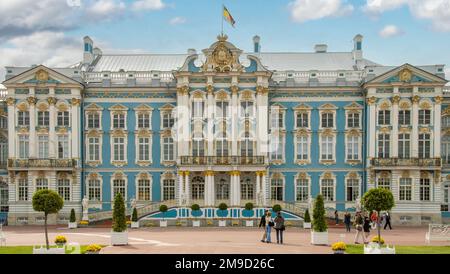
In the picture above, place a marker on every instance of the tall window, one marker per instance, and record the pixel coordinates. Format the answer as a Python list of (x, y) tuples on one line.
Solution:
[(327, 120), (247, 189), (3, 152), (41, 183), (222, 109), (352, 147), (302, 190), (352, 189), (223, 190), (63, 186), (247, 146), (384, 182), (119, 120), (168, 189), (277, 148), (93, 120), (446, 121), (119, 148), (327, 148), (198, 147), (144, 149), (302, 120), (144, 190), (222, 147), (168, 120), (43, 147), (168, 149), (424, 145), (197, 109), (3, 122), (144, 120), (63, 147), (445, 151), (353, 120), (404, 117), (424, 116), (93, 149), (198, 188), (23, 146), (383, 145), (404, 144), (23, 118), (302, 147), (247, 109), (23, 189), (425, 188), (94, 190), (276, 119), (119, 186), (384, 117), (276, 189), (63, 118), (327, 189), (43, 118), (405, 193)]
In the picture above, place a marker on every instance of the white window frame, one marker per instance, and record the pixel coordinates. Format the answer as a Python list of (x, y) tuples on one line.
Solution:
[(43, 147), (100, 187), (308, 148), (352, 113), (66, 150), (59, 187), (88, 150), (164, 188), (63, 115), (308, 181), (322, 148), (97, 113), (26, 147), (351, 146), (358, 180), (333, 179), (125, 144), (163, 144), (138, 146), (400, 189), (308, 120), (149, 188), (121, 115), (125, 179)]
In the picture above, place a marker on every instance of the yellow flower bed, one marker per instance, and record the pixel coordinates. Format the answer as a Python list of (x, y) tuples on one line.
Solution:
[(94, 248), (84, 222), (60, 239), (339, 246), (375, 240), (178, 223), (209, 222), (128, 222), (235, 223)]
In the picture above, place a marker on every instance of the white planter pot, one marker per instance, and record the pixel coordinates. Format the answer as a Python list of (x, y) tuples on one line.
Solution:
[(72, 225), (163, 223), (43, 250), (134, 224), (119, 238), (374, 249), (196, 223), (319, 238), (307, 225), (249, 223), (222, 223)]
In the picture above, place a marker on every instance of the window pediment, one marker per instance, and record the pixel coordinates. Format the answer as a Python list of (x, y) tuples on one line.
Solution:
[(143, 108), (302, 107), (93, 107), (353, 106), (118, 108), (328, 106)]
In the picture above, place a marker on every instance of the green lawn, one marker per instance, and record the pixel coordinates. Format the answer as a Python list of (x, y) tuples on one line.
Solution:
[(359, 249), (28, 249)]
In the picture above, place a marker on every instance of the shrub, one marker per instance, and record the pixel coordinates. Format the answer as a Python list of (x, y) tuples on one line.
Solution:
[(307, 218), (339, 246), (49, 202), (249, 206), (319, 223), (73, 219), (195, 207), (60, 239), (276, 208), (93, 248), (223, 206), (119, 218), (163, 209), (134, 216)]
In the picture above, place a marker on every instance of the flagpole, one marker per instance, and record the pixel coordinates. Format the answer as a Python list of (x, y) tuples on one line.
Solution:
[(221, 15)]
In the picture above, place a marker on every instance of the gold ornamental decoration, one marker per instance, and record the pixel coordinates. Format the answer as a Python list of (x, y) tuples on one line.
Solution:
[(405, 75), (416, 99), (438, 99), (222, 59), (372, 100), (75, 102), (51, 100), (395, 99), (42, 75), (10, 101), (31, 100)]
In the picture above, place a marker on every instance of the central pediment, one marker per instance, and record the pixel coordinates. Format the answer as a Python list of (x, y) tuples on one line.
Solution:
[(222, 56)]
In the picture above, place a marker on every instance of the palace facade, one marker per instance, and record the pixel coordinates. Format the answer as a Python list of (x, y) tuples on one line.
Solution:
[(224, 126)]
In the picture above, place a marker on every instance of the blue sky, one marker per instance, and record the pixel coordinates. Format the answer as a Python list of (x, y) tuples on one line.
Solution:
[(395, 31)]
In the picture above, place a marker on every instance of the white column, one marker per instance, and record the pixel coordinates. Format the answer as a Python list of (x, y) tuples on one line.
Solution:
[(264, 187), (437, 127), (258, 187), (33, 143), (75, 128), (262, 109), (210, 123), (415, 124), (187, 188), (52, 125), (372, 123), (181, 193), (232, 188), (12, 137), (183, 121), (238, 188), (234, 121), (394, 119), (207, 189), (212, 191)]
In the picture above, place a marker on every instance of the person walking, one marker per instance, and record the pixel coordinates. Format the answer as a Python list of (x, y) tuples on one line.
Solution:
[(366, 227), (336, 217), (359, 221), (388, 220), (262, 223), (279, 227), (347, 221), (374, 219), (269, 224)]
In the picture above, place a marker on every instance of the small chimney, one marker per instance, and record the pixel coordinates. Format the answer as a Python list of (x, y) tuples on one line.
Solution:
[(97, 52), (88, 55), (320, 48), (191, 51), (256, 44)]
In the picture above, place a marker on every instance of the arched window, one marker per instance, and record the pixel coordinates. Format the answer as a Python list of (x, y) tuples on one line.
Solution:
[(198, 188), (222, 190), (247, 189), (276, 189)]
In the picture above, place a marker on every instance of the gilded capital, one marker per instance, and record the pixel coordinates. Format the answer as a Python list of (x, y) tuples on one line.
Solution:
[(181, 173), (209, 173), (372, 100), (438, 99), (235, 173), (31, 100), (186, 173), (416, 99), (10, 101), (183, 90), (396, 99), (234, 89), (210, 89), (261, 90), (75, 102), (51, 100)]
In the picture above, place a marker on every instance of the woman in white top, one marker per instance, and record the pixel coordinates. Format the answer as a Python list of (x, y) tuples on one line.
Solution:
[(269, 224)]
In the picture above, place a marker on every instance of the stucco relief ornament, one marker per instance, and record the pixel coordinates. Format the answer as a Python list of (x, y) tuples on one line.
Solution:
[(85, 204), (358, 204), (405, 75), (133, 204), (42, 76), (222, 59)]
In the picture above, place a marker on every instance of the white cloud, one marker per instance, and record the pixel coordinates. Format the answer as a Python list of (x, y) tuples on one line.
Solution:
[(148, 5), (390, 31), (437, 11), (306, 10), (177, 20)]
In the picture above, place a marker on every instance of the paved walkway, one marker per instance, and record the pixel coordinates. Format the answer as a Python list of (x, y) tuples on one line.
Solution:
[(212, 240)]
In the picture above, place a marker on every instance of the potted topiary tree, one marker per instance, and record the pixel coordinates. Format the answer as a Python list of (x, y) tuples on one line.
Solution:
[(196, 212), (134, 219), (276, 208), (307, 220), (119, 233), (319, 232), (249, 213), (223, 210), (72, 219), (163, 209), (378, 199), (49, 202)]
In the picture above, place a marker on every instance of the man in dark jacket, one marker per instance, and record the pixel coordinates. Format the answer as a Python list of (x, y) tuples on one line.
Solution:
[(388, 220), (262, 223)]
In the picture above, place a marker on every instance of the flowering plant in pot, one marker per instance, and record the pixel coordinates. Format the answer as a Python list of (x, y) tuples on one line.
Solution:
[(163, 209), (72, 219), (196, 213), (223, 210), (93, 249), (60, 240), (339, 247), (248, 212)]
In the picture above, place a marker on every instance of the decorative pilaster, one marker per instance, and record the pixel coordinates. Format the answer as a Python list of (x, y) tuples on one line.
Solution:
[(262, 109), (258, 189), (187, 189), (235, 190), (52, 124), (372, 124), (11, 127), (437, 126), (394, 146), (264, 186), (210, 122), (75, 128), (415, 125), (234, 120), (209, 188), (33, 143), (181, 194)]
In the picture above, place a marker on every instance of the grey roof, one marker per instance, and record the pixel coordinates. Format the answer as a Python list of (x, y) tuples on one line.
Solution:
[(139, 62)]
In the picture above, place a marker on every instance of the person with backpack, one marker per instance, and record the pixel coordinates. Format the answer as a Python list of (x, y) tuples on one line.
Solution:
[(262, 223), (279, 227)]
